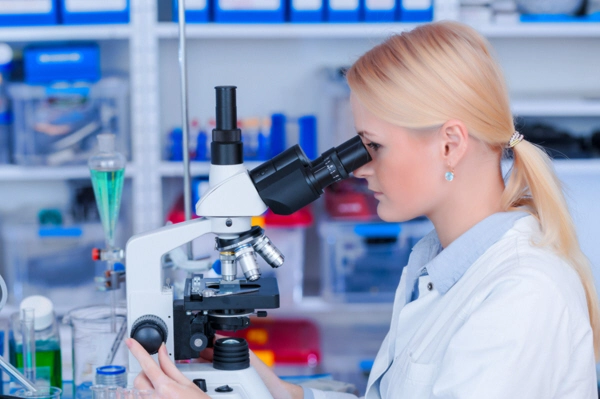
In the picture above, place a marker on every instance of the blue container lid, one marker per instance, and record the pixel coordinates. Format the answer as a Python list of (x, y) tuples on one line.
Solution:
[(111, 369)]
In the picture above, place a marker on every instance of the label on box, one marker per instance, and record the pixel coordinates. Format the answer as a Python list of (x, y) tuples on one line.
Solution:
[(249, 5), (416, 4), (380, 4), (307, 5), (194, 5), (95, 5), (343, 5), (25, 6)]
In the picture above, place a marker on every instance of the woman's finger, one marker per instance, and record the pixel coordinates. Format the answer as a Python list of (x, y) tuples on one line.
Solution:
[(169, 368), (142, 382), (152, 370)]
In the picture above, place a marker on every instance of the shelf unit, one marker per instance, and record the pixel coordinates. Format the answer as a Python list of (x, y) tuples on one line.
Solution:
[(149, 43)]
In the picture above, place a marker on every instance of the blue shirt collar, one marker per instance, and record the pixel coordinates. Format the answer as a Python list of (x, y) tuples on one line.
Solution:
[(446, 266)]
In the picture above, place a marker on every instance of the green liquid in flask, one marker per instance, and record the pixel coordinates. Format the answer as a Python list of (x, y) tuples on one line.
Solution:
[(108, 187)]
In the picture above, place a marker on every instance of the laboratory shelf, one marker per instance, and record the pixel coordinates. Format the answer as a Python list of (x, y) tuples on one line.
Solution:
[(568, 107), (169, 30), (64, 32), (175, 169), (36, 173)]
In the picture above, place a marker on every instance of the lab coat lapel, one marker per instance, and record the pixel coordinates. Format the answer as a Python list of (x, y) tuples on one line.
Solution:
[(384, 357)]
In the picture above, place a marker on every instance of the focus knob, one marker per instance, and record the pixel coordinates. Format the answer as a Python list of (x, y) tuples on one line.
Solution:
[(150, 331)]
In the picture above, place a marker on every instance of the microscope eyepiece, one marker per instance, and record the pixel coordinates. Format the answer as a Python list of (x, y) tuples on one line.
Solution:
[(226, 147), (289, 181)]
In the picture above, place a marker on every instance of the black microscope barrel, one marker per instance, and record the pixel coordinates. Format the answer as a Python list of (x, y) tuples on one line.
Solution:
[(226, 147), (226, 108), (353, 154)]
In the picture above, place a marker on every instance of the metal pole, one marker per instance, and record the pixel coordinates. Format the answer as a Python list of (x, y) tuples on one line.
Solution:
[(187, 194)]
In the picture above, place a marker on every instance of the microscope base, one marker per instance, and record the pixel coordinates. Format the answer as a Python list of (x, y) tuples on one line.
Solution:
[(245, 384)]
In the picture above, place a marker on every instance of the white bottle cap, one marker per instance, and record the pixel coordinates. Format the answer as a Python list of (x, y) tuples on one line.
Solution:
[(44, 310), (6, 54), (106, 142)]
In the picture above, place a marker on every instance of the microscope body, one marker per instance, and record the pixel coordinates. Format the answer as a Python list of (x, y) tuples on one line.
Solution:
[(286, 183), (150, 301)]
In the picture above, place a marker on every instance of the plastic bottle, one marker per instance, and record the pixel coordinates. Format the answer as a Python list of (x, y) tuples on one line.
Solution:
[(5, 114), (47, 340)]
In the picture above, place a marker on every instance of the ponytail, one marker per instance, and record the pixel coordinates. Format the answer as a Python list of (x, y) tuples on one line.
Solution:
[(533, 185)]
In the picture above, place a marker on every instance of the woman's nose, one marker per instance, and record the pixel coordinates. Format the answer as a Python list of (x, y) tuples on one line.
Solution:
[(363, 171)]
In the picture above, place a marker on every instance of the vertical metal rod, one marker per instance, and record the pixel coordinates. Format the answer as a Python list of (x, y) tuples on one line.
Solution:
[(187, 185)]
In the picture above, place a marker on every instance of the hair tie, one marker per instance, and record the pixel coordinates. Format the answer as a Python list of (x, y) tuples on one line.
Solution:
[(515, 139)]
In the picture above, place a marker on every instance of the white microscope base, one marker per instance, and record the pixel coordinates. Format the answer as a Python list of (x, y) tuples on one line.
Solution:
[(246, 384)]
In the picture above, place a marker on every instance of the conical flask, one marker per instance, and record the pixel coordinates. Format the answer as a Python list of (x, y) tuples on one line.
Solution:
[(107, 169)]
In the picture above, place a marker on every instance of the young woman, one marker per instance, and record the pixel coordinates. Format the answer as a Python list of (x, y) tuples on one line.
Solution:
[(498, 301)]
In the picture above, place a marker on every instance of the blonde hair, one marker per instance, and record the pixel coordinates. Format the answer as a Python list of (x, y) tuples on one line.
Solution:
[(445, 70)]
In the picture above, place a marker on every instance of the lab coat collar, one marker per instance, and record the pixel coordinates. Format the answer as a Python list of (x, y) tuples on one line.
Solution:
[(446, 266)]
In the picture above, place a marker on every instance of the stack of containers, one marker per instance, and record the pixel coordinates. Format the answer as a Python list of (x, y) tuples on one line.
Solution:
[(53, 12), (306, 11), (19, 12)]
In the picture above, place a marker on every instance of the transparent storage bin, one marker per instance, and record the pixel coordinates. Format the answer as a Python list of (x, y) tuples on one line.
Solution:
[(58, 124), (54, 262), (362, 262)]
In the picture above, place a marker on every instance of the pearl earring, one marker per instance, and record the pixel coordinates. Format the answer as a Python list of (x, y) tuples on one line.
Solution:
[(450, 175)]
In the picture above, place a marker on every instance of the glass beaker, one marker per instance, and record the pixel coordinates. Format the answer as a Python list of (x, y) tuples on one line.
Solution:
[(92, 342), (40, 393)]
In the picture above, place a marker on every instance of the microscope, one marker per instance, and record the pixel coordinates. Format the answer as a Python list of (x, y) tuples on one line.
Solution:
[(286, 183)]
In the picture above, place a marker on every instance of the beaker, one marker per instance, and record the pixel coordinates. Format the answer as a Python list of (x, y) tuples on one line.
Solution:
[(40, 393), (92, 341)]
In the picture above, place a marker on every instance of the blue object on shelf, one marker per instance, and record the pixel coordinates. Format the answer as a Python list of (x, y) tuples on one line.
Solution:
[(380, 10), (201, 148), (415, 10), (344, 10), (595, 17), (47, 64), (60, 232), (264, 147), (23, 13), (307, 137), (366, 365), (278, 140), (304, 11), (249, 11), (217, 266), (85, 12), (196, 11), (377, 229), (175, 145)]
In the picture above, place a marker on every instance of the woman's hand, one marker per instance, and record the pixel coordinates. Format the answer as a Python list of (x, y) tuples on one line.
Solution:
[(166, 380)]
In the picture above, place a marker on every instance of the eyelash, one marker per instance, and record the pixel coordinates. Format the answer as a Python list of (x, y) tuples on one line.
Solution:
[(374, 146)]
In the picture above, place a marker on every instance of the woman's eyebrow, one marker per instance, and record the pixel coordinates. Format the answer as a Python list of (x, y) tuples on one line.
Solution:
[(363, 133)]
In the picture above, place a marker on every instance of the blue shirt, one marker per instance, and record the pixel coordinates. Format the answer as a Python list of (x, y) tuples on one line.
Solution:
[(446, 266)]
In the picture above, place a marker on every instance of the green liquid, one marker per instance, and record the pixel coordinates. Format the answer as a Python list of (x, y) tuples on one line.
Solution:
[(47, 356), (108, 187)]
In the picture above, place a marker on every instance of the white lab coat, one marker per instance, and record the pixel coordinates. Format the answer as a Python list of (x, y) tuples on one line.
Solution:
[(514, 326)]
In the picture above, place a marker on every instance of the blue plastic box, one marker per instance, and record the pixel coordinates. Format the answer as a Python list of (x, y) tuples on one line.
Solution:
[(244, 11), (380, 10), (47, 64), (19, 12), (196, 11), (415, 10), (307, 11), (344, 10), (86, 12)]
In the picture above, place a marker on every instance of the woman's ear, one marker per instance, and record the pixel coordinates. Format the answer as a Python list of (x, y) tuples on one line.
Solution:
[(454, 140)]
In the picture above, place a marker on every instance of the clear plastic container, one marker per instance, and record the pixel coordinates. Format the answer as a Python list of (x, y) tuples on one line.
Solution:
[(54, 262), (362, 262), (57, 125), (93, 340)]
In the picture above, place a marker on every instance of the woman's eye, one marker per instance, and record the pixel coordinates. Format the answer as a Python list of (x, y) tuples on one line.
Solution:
[(374, 146)]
